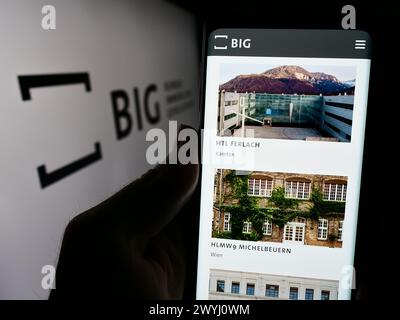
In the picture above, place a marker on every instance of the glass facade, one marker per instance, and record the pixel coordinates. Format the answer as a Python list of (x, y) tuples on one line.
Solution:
[(297, 110)]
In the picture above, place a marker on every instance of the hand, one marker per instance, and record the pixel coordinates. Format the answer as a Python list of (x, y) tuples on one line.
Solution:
[(131, 245)]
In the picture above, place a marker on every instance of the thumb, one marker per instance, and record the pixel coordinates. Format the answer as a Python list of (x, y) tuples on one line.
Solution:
[(148, 204)]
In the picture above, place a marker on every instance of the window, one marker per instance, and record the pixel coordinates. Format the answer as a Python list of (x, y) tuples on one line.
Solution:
[(231, 103), (229, 116), (297, 189), (235, 287), (220, 286), (298, 234), (294, 293), (227, 222), (335, 191), (246, 227), (309, 294), (242, 101), (322, 229), (294, 233), (250, 289), (325, 295), (299, 220), (288, 232), (267, 227), (260, 187), (271, 291), (340, 230)]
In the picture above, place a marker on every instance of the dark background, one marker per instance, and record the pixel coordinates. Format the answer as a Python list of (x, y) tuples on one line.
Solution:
[(376, 245)]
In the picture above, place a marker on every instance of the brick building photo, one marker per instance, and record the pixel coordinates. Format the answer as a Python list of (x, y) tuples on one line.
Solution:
[(288, 208)]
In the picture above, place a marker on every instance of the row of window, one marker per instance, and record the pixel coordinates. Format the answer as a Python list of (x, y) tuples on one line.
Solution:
[(247, 225), (297, 189), (294, 231), (272, 291)]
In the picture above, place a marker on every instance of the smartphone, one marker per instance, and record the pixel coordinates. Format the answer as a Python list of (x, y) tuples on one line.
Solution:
[(284, 115)]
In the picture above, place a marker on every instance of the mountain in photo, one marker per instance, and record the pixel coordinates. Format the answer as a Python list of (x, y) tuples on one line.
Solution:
[(287, 80)]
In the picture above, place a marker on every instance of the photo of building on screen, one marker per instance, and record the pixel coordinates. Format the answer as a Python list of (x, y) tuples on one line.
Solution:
[(287, 102), (289, 208), (235, 285)]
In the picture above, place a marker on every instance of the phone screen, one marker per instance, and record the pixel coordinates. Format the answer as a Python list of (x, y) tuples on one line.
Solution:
[(284, 120)]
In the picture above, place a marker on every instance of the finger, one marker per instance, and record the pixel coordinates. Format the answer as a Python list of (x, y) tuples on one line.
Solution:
[(147, 205)]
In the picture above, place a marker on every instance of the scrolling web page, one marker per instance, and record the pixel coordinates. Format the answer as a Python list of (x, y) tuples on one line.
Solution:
[(284, 124)]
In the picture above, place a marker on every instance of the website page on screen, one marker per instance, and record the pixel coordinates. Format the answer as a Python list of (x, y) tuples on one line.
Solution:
[(284, 124)]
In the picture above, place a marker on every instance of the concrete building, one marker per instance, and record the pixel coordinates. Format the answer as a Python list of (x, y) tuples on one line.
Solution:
[(330, 116), (306, 227), (231, 106), (337, 116), (234, 285), (228, 112)]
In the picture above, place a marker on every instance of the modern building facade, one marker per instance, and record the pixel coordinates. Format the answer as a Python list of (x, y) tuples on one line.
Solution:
[(331, 115), (236, 285), (231, 106), (314, 216), (337, 116)]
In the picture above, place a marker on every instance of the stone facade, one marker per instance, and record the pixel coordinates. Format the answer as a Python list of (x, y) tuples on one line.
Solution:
[(324, 230)]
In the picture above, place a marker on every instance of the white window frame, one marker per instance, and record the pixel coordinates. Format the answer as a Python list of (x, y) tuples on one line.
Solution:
[(298, 189), (335, 192), (267, 227), (340, 231), (323, 225), (294, 227), (263, 191), (227, 222), (297, 292), (246, 227)]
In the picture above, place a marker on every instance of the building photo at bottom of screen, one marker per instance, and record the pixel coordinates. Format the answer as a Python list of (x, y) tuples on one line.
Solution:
[(236, 285)]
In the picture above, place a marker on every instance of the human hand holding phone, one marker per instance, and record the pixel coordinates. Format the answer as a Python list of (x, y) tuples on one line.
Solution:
[(132, 244)]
